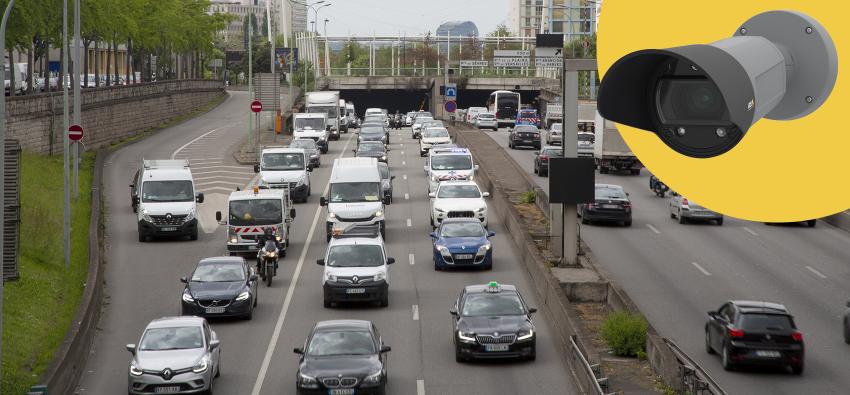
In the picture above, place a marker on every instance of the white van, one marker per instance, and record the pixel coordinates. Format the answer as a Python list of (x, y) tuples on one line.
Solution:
[(355, 196), (356, 267), (164, 199), (472, 113), (448, 163), (286, 168), (343, 117), (311, 126)]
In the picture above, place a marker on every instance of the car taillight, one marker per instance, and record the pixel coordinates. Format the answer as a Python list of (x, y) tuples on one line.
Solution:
[(797, 336), (627, 205), (536, 136), (544, 157), (736, 333)]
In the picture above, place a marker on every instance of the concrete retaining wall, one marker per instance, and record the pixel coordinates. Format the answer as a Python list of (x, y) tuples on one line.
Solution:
[(108, 114)]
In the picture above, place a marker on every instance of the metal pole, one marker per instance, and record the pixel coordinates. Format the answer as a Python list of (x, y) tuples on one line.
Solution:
[(65, 140), (306, 47), (250, 78), (327, 50), (3, 178), (569, 100), (77, 99), (284, 25)]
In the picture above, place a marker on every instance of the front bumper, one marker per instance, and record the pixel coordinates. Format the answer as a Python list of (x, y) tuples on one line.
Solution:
[(236, 308), (373, 291), (518, 349), (242, 247), (488, 125), (555, 140), (148, 229), (348, 222), (357, 391), (188, 383), (485, 261), (438, 217)]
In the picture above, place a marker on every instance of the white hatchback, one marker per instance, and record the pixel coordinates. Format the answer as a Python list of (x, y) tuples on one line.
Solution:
[(458, 199)]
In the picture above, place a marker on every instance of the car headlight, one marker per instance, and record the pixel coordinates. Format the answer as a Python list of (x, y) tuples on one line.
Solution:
[(373, 379), (277, 237), (330, 277), (331, 215), (444, 251), (187, 297), (379, 213), (314, 156), (525, 334), (201, 366), (190, 216), (307, 381), (380, 276), (483, 249), (134, 370), (244, 295), (146, 216), (434, 178), (233, 240), (384, 157), (471, 177), (467, 337)]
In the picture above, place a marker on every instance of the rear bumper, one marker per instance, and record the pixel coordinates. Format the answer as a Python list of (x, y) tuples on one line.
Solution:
[(747, 356), (701, 215), (605, 216)]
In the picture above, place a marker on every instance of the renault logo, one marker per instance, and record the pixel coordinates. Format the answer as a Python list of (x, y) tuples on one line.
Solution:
[(767, 336), (495, 334), (355, 278), (167, 373), (462, 247), (168, 216)]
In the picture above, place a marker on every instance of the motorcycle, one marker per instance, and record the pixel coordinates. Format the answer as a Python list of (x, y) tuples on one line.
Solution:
[(396, 122), (267, 259), (658, 186)]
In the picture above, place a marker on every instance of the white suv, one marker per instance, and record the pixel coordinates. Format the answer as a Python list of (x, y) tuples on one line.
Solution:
[(356, 264), (458, 199), (431, 137)]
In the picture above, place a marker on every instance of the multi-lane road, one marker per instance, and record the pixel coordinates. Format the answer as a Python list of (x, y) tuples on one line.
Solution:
[(142, 279), (676, 272)]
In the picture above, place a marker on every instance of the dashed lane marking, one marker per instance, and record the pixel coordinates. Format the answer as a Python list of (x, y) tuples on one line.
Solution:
[(700, 268), (750, 231), (411, 258), (420, 387), (406, 196), (409, 223), (416, 312), (652, 228), (816, 272)]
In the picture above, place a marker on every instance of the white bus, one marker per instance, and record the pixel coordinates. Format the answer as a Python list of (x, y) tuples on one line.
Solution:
[(505, 105)]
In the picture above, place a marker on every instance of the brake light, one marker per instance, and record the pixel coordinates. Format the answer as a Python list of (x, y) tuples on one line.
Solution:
[(685, 202), (736, 333), (797, 336), (544, 157), (627, 205)]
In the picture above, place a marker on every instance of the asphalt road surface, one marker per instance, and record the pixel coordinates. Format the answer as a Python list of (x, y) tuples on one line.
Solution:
[(142, 279), (677, 272)]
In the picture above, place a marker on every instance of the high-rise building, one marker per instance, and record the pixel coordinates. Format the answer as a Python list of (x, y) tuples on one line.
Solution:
[(457, 30), (572, 18)]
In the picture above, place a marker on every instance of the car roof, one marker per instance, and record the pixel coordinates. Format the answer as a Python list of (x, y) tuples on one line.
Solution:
[(222, 259), (167, 174), (262, 193), (282, 150), (343, 324), (609, 186), (444, 150), (752, 306), (169, 322)]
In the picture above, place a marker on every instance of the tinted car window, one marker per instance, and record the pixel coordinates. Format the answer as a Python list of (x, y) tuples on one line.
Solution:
[(462, 229), (753, 321), (553, 152), (451, 162), (355, 256), (283, 161), (329, 343), (459, 191), (371, 147), (435, 133), (167, 191), (610, 193), (526, 129), (485, 304), (219, 272)]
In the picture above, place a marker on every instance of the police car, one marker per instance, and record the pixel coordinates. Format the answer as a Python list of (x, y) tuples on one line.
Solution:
[(448, 163), (493, 321), (356, 266)]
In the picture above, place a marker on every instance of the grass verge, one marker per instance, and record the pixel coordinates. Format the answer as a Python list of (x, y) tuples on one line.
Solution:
[(40, 306)]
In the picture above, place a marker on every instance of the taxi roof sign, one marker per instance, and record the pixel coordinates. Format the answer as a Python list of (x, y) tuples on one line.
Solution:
[(494, 286)]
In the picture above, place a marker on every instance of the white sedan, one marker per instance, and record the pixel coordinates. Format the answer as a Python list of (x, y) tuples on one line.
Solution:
[(458, 199), (431, 137)]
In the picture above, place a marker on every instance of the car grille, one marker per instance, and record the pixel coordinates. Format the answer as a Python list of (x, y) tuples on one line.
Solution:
[(490, 339), (364, 219), (452, 177), (214, 302), (350, 280), (460, 214), (281, 185), (344, 382), (527, 135), (165, 220)]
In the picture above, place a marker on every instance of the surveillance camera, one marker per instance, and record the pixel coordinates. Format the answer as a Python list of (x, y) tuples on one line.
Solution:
[(701, 99)]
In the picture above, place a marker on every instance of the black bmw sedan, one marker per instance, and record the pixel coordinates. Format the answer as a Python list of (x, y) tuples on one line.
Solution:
[(220, 287), (493, 321), (611, 204), (342, 357)]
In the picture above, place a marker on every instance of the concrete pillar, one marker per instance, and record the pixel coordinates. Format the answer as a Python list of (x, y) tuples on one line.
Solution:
[(556, 229)]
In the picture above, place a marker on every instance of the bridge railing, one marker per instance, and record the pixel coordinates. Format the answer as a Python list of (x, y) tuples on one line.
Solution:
[(434, 71)]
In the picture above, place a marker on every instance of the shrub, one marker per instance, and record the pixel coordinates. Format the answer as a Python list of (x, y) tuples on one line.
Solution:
[(528, 197), (625, 333)]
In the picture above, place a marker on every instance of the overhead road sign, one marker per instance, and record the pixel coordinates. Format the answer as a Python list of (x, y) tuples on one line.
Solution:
[(549, 40), (511, 53), (474, 63), (511, 62)]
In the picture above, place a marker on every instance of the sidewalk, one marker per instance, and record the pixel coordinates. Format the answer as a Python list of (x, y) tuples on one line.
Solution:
[(246, 153)]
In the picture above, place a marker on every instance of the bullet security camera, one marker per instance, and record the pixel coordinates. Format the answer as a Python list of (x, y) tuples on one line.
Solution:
[(701, 99)]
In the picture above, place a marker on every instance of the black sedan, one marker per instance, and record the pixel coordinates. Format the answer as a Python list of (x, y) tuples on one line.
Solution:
[(220, 287), (386, 181), (754, 333), (372, 149), (524, 136), (611, 204), (310, 148), (541, 159), (372, 133), (342, 357), (493, 321)]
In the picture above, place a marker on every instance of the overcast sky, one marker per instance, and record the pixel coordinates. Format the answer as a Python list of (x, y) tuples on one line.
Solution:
[(389, 17)]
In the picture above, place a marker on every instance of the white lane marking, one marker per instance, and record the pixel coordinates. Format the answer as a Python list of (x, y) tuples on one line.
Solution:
[(750, 231), (420, 387), (411, 258), (205, 166), (218, 178), (409, 223), (402, 152), (404, 176), (416, 312), (403, 163), (174, 154), (845, 213), (700, 268), (244, 173), (652, 228), (264, 367), (406, 196), (817, 273)]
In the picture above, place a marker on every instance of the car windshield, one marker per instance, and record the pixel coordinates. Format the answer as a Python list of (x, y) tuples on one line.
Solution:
[(341, 342), (304, 143), (553, 152), (421, 119), (372, 132), (283, 161), (371, 147), (557, 127), (330, 110), (434, 133), (219, 272), (309, 123), (174, 338), (459, 191), (255, 212), (451, 162), (433, 123), (355, 255), (610, 193), (487, 304), (760, 322), (586, 137), (462, 229), (352, 192), (385, 170), (527, 129), (167, 191)]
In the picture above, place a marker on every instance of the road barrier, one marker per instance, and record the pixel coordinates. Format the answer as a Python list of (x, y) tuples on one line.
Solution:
[(694, 380)]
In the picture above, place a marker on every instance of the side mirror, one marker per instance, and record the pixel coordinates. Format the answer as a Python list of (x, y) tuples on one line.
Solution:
[(257, 168), (532, 310), (184, 280), (253, 277), (320, 262), (298, 350), (491, 234), (218, 216), (132, 185), (627, 194), (432, 195), (433, 235), (136, 200), (131, 348), (199, 198), (453, 311), (214, 343), (390, 260), (310, 168), (486, 194), (476, 167), (292, 213), (323, 201), (385, 349)]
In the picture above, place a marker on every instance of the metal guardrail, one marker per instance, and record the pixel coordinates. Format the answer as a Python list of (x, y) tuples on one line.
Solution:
[(695, 380), (598, 385)]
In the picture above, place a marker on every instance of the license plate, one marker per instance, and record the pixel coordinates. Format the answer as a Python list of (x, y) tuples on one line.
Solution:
[(526, 141), (464, 256), (215, 310), (167, 390), (169, 229), (767, 354), (355, 291), (495, 347), (341, 391), (610, 206)]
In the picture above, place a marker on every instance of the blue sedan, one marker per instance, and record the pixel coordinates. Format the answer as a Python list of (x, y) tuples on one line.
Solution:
[(462, 242)]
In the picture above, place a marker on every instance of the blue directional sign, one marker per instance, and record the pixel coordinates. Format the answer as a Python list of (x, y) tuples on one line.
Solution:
[(451, 91)]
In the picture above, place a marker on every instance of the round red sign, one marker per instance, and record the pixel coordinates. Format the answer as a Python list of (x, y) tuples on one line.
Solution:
[(256, 106), (75, 132)]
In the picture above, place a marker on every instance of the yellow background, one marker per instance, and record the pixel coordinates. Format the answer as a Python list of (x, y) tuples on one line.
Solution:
[(781, 170)]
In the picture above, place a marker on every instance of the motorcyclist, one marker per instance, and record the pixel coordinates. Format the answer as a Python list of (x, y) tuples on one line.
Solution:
[(268, 235)]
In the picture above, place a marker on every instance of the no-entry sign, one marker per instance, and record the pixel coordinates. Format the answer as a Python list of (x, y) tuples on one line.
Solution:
[(256, 106), (75, 132)]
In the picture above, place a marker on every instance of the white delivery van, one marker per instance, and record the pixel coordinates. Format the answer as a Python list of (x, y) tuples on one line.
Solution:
[(311, 126), (290, 168), (448, 163), (163, 196), (354, 196)]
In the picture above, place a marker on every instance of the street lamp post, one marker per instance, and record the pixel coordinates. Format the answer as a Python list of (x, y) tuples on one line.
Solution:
[(327, 51)]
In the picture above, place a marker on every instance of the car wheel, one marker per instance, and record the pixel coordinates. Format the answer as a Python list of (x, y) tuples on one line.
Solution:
[(536, 171), (846, 332), (584, 219), (385, 301), (142, 238), (458, 356), (726, 361), (218, 369), (797, 370), (681, 218), (194, 235), (432, 222), (327, 303), (250, 315), (627, 223), (672, 215), (812, 223), (708, 348), (437, 267), (719, 222), (532, 356)]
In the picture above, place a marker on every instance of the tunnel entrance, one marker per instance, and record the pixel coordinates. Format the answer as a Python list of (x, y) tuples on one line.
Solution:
[(391, 99)]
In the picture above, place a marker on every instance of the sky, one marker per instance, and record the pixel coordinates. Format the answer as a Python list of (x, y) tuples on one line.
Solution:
[(414, 17)]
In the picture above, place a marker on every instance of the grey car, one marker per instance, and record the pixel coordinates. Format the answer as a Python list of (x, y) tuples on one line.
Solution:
[(310, 148), (555, 135), (386, 181), (176, 355), (684, 210)]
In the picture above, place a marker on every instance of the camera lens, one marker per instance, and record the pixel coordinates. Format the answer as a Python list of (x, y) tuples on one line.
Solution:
[(685, 100)]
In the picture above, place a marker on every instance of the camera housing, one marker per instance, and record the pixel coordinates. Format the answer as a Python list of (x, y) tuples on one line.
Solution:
[(701, 99)]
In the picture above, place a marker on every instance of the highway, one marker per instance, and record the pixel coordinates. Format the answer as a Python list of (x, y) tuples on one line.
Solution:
[(677, 272), (142, 279)]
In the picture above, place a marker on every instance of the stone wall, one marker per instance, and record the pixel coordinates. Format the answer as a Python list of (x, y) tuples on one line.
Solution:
[(108, 114)]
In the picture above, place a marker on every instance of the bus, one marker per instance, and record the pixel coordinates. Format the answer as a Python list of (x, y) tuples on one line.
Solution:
[(504, 104)]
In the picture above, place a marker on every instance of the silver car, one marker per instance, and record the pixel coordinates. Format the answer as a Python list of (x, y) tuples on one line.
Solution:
[(684, 210), (486, 120), (555, 135), (176, 355)]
